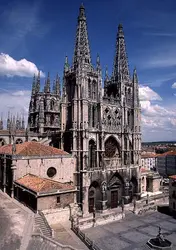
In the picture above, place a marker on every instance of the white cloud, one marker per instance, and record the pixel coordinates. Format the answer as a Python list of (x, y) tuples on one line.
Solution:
[(174, 85), (11, 67), (158, 122), (147, 94), (15, 103)]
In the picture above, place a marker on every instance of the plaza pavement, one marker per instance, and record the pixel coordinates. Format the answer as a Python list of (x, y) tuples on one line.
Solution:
[(133, 232), (12, 224)]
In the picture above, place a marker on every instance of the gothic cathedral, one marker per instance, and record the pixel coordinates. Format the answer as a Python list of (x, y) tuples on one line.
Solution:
[(99, 126)]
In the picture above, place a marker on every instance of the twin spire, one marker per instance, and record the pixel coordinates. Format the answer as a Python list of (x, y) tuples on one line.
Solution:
[(82, 49)]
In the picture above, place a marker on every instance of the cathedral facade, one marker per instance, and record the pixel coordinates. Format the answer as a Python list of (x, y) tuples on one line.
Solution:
[(99, 126)]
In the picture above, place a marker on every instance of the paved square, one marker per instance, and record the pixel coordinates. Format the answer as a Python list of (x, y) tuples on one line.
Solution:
[(133, 232), (12, 221)]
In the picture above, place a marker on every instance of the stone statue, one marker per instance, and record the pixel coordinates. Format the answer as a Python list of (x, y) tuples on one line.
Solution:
[(104, 187)]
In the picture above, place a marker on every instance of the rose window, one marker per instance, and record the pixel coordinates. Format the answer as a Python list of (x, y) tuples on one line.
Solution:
[(111, 147)]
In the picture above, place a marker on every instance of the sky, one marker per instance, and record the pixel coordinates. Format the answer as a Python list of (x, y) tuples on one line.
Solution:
[(38, 34)]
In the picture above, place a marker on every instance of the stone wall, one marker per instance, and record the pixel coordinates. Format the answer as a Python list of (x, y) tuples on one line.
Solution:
[(51, 202), (65, 167), (55, 215)]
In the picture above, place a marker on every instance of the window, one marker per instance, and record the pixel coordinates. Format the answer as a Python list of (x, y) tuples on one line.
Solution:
[(52, 104), (51, 172), (92, 154), (58, 199)]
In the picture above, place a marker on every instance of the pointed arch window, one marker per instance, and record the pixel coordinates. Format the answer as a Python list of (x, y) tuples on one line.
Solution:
[(52, 103), (94, 90), (94, 116), (89, 87), (52, 119), (92, 154)]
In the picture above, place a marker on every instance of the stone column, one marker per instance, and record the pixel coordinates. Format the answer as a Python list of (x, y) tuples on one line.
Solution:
[(126, 192), (4, 174), (13, 168), (104, 195)]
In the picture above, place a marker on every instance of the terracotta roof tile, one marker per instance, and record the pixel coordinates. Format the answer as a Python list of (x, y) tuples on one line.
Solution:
[(38, 184), (148, 155), (143, 170), (32, 149), (172, 177), (168, 153)]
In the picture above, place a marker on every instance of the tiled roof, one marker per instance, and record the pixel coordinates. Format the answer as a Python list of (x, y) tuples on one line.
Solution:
[(38, 184), (149, 155), (32, 149), (144, 170), (172, 177), (168, 153)]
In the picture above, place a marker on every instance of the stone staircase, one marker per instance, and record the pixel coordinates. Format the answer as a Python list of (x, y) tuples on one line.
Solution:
[(42, 226), (39, 242)]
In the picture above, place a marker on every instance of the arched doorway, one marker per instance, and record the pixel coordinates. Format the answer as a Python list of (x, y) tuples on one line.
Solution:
[(95, 197), (92, 154), (116, 184), (133, 187)]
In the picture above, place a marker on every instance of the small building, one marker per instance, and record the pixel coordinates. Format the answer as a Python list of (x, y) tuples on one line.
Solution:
[(24, 163), (166, 163), (172, 194), (149, 161), (43, 194), (150, 182)]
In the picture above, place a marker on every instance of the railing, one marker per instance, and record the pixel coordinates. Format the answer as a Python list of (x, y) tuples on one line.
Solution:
[(58, 246), (46, 222), (85, 239)]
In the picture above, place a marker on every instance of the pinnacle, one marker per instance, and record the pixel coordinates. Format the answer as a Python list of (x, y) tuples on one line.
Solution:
[(82, 6), (120, 26)]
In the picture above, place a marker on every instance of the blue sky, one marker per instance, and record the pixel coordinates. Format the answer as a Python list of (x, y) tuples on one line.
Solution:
[(43, 33)]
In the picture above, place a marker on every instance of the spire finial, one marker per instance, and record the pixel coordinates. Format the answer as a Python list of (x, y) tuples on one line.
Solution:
[(38, 82), (106, 72), (66, 65), (98, 63), (121, 69), (82, 49), (34, 85), (47, 88), (57, 91), (136, 101)]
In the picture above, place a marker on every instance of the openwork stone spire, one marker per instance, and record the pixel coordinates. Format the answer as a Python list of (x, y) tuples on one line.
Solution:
[(37, 89), (121, 61), (135, 89), (56, 86), (82, 49), (47, 84), (34, 85)]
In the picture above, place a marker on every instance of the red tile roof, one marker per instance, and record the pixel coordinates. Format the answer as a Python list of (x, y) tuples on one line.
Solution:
[(32, 149), (148, 155), (38, 184), (143, 170), (168, 153), (172, 177)]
